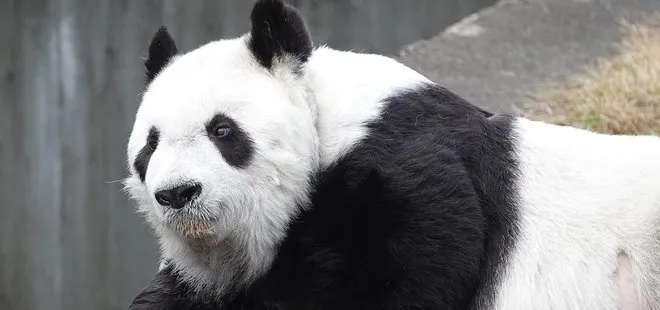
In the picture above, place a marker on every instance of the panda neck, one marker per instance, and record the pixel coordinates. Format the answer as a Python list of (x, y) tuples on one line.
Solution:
[(348, 89)]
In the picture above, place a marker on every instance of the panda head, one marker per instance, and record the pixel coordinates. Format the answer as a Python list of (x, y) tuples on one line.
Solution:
[(224, 141)]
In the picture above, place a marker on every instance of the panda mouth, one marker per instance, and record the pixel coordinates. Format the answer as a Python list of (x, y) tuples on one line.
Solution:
[(194, 228), (192, 222)]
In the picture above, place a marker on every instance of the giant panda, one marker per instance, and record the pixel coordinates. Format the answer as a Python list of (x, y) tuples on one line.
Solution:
[(282, 175)]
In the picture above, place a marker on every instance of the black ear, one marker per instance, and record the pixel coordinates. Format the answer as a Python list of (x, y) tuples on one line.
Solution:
[(278, 30), (161, 51)]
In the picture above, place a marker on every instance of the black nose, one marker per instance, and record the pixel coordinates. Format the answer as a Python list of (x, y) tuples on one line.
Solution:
[(179, 196)]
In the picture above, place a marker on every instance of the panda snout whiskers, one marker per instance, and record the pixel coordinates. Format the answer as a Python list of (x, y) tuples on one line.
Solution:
[(179, 196)]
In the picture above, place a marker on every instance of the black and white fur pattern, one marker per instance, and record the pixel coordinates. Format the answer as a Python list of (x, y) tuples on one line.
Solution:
[(340, 180)]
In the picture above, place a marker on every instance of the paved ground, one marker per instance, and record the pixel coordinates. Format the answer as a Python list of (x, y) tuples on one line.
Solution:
[(493, 58)]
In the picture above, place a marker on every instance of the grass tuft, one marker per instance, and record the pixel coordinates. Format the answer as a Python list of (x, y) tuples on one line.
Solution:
[(621, 95)]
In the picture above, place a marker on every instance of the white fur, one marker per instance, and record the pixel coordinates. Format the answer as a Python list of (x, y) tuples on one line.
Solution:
[(586, 200)]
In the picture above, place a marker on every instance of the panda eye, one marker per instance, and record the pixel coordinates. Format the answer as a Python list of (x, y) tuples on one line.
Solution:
[(221, 131), (152, 140), (152, 144)]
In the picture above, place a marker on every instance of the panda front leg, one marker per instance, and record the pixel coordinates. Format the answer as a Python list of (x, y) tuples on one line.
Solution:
[(166, 291)]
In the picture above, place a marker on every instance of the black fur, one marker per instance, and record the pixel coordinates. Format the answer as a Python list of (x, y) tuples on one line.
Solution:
[(278, 30), (420, 215), (141, 162), (161, 51), (485, 146), (237, 148)]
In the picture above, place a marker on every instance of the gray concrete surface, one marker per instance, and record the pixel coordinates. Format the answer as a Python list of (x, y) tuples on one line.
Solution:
[(496, 56)]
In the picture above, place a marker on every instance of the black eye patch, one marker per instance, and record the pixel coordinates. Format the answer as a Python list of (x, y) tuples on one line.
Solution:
[(235, 145), (142, 159)]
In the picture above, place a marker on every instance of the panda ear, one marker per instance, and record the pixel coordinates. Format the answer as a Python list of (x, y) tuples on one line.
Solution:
[(161, 51), (278, 30)]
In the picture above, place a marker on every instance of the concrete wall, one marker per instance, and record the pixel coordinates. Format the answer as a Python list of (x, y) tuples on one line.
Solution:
[(70, 79)]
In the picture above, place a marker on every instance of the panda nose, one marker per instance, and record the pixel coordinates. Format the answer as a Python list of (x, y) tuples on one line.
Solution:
[(179, 196)]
